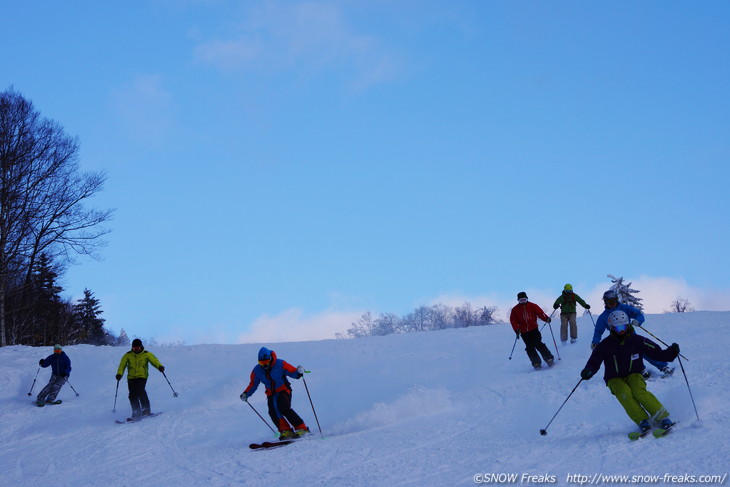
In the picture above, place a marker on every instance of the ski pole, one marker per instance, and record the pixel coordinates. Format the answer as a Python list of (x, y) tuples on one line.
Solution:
[(262, 419), (174, 394), (551, 317), (589, 314), (310, 402), (554, 342), (660, 340), (543, 431), (33, 385), (114, 409), (688, 388), (72, 388), (513, 346)]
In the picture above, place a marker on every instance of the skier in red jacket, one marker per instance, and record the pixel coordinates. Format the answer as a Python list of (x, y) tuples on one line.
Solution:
[(523, 318)]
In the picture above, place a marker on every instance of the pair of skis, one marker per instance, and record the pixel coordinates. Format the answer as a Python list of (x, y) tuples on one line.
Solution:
[(41, 404), (137, 420), (268, 445), (657, 432)]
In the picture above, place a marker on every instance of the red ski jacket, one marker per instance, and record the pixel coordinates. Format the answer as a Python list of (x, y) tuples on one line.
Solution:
[(524, 317)]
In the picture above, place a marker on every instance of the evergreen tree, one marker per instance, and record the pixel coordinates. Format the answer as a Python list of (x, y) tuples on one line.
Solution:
[(47, 317), (87, 314), (625, 293)]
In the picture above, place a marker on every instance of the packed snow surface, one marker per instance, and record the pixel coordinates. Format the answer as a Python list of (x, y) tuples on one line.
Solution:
[(437, 408)]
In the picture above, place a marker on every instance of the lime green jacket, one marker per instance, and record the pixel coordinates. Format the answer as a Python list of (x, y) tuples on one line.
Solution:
[(566, 302), (137, 363)]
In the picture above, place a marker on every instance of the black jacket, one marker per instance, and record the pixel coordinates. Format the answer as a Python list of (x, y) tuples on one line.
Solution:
[(624, 355)]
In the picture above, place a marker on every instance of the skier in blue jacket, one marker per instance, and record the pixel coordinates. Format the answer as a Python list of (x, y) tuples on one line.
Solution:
[(610, 301), (60, 370), (272, 372)]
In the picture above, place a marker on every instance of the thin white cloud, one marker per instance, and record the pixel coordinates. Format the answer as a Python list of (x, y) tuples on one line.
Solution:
[(293, 325), (144, 109), (307, 37)]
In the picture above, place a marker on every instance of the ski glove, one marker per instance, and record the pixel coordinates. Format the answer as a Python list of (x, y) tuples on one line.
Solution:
[(586, 374), (549, 319), (518, 334), (593, 346), (41, 362), (244, 397), (675, 348), (300, 369), (119, 377), (635, 323), (556, 306), (161, 368), (588, 306)]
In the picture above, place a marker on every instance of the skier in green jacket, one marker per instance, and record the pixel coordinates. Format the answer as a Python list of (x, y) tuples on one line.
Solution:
[(136, 361), (567, 304)]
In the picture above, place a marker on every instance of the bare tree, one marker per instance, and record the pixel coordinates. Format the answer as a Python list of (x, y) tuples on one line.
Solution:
[(363, 327), (42, 195), (681, 305)]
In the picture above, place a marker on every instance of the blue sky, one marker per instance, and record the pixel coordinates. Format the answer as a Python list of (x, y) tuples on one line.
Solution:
[(279, 168)]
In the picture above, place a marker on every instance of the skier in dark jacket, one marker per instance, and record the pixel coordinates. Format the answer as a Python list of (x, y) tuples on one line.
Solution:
[(60, 370), (273, 373), (622, 353), (523, 318), (611, 303)]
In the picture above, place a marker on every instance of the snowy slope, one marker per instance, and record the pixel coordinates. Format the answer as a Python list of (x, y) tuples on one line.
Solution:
[(424, 409)]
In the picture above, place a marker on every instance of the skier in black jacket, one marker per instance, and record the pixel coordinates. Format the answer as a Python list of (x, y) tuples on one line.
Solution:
[(622, 354)]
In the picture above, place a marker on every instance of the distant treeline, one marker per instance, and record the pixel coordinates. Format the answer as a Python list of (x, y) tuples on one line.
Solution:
[(423, 318)]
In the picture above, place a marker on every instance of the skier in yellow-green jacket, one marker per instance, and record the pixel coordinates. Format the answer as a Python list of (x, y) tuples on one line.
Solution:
[(136, 361)]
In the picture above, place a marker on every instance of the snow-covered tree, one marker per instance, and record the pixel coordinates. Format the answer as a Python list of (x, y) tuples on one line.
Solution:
[(123, 339), (625, 293)]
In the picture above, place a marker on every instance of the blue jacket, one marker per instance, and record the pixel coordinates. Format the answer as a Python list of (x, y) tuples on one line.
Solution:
[(624, 355), (274, 378), (59, 362), (602, 321)]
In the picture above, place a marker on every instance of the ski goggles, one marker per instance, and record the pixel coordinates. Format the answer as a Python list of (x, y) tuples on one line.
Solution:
[(620, 328), (265, 363), (522, 300)]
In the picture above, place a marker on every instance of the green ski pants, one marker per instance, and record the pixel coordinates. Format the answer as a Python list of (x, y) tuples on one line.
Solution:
[(639, 403)]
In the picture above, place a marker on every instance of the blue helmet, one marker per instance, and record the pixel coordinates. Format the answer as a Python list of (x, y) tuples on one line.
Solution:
[(264, 354)]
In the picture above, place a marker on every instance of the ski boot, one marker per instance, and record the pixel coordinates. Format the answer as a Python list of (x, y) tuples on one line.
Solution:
[(286, 435), (301, 432)]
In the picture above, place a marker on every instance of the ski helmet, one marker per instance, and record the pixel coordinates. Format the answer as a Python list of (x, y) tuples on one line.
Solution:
[(618, 321), (265, 357), (610, 294), (568, 287), (610, 298)]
